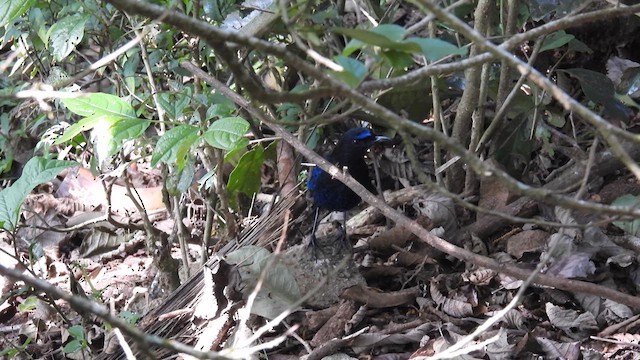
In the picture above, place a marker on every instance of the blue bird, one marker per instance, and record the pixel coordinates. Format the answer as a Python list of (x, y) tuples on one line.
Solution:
[(331, 194)]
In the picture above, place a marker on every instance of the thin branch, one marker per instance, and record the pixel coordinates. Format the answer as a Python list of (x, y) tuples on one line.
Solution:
[(412, 226), (85, 306)]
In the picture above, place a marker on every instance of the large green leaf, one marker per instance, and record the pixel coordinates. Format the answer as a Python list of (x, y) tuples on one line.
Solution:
[(245, 178), (227, 133), (390, 38), (100, 104), (436, 49), (109, 132), (11, 9), (174, 144), (353, 73), (386, 36), (85, 124), (127, 129), (36, 171), (112, 119), (65, 35), (631, 227), (107, 136)]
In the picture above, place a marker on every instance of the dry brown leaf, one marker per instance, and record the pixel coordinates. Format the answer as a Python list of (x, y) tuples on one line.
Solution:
[(526, 241)]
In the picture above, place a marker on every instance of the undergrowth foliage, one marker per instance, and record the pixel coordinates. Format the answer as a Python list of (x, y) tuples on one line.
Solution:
[(166, 107)]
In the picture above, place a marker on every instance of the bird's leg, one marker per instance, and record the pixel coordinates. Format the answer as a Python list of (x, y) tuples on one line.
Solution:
[(313, 242), (345, 239)]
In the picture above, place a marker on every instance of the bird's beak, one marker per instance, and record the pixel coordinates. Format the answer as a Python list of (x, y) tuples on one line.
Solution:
[(381, 139)]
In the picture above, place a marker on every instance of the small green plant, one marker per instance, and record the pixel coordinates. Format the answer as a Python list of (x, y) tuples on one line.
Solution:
[(78, 342), (11, 352)]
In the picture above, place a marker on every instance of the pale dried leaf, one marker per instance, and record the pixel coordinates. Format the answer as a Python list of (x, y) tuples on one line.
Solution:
[(514, 319), (575, 265), (455, 308), (44, 311), (500, 349), (279, 290), (625, 343), (614, 312), (558, 350), (509, 283), (616, 66), (565, 216), (626, 337), (98, 242), (480, 276), (366, 341), (477, 245), (439, 209), (622, 260), (571, 322), (560, 245), (590, 303)]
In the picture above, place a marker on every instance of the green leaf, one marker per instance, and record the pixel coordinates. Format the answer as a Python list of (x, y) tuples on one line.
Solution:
[(398, 59), (436, 49), (226, 133), (174, 103), (29, 303), (385, 36), (10, 353), (353, 73), (578, 46), (65, 35), (174, 144), (556, 119), (129, 316), (392, 32), (631, 227), (220, 110), (85, 124), (77, 332), (35, 172), (113, 118), (600, 89), (246, 177), (11, 9), (126, 129), (180, 182), (104, 144), (556, 40), (100, 104), (72, 346), (108, 135)]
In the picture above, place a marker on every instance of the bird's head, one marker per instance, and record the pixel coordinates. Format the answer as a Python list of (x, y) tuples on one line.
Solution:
[(359, 140)]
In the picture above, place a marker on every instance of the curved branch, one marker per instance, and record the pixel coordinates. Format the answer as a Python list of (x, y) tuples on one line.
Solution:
[(424, 235), (86, 306), (512, 43), (386, 117)]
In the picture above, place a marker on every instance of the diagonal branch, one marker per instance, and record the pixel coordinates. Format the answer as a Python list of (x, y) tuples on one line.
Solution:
[(403, 221)]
